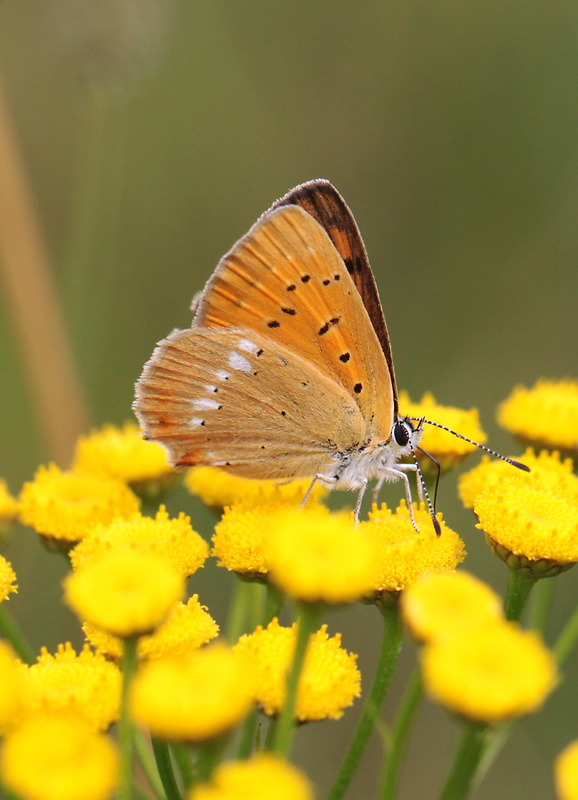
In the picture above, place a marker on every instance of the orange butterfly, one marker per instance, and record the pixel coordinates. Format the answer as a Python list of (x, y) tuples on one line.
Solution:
[(286, 371)]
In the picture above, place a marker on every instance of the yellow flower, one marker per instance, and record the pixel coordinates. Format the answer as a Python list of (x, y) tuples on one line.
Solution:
[(218, 489), (127, 593), (544, 416), (65, 506), (170, 539), (441, 604), (546, 468), (490, 672), (10, 687), (262, 777), (58, 758), (85, 685), (449, 450), (316, 556), (187, 627), (7, 579), (329, 682), (403, 554), (122, 453), (528, 527), (195, 696), (566, 773)]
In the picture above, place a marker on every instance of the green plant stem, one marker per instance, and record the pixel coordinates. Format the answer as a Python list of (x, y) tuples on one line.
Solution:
[(520, 584), (245, 612), (466, 762), (285, 725), (182, 757), (126, 735), (248, 735), (273, 604), (165, 768), (10, 631), (399, 735), (391, 643), (209, 756), (541, 604), (149, 767), (567, 639)]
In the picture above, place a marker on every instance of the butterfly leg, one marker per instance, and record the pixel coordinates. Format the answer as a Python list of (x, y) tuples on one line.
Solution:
[(395, 474), (357, 509), (384, 477), (318, 477)]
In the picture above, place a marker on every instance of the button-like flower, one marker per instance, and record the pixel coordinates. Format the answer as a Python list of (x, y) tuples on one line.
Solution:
[(10, 687), (544, 416), (7, 579), (566, 773), (329, 681)]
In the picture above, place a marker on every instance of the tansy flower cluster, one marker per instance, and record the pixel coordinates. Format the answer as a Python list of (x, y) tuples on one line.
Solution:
[(166, 700)]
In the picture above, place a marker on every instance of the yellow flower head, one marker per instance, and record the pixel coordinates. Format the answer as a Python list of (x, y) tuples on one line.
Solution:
[(187, 627), (64, 506), (10, 687), (566, 773), (529, 527), (9, 505), (544, 416), (195, 696), (316, 556), (441, 604), (57, 758), (546, 470), (122, 453), (84, 685), (329, 681), (489, 673), (403, 554), (262, 777), (449, 450), (7, 579), (127, 593), (218, 489), (170, 539)]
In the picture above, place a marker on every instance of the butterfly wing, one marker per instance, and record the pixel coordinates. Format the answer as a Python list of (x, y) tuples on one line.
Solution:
[(286, 281), (236, 399), (322, 200)]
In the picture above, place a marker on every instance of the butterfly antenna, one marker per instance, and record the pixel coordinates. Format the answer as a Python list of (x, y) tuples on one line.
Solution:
[(421, 479), (511, 461)]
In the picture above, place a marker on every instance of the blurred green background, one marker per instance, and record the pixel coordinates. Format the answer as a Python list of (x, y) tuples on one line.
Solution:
[(154, 133)]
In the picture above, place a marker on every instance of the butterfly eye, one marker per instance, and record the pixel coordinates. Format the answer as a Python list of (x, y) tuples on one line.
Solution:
[(402, 432)]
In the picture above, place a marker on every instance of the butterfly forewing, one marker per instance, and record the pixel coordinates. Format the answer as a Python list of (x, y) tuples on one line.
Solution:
[(240, 400), (286, 281)]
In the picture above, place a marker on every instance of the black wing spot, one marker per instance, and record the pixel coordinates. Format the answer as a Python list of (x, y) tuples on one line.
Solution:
[(357, 388), (259, 352), (290, 311), (345, 357), (337, 277), (283, 413), (326, 282), (305, 278), (274, 324), (291, 288)]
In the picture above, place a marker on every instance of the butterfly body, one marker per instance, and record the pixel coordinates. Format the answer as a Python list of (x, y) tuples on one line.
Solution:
[(286, 370)]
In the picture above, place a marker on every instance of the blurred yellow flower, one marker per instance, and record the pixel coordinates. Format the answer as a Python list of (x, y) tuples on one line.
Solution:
[(54, 757), (547, 471), (262, 777), (319, 557), (122, 453), (403, 554), (170, 539), (9, 505), (10, 687), (329, 682), (529, 527), (127, 593), (218, 489), (441, 604), (566, 773), (195, 696), (64, 506), (84, 685), (544, 416), (449, 450), (187, 626), (7, 579), (489, 673)]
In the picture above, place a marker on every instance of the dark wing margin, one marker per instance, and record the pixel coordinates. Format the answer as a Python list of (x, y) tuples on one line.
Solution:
[(322, 200)]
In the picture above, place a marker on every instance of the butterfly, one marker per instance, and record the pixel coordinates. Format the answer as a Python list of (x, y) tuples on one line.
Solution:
[(286, 371)]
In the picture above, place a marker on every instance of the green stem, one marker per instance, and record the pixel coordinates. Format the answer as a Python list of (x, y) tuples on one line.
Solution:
[(520, 583), (248, 735), (567, 639), (245, 612), (126, 735), (209, 756), (285, 724), (182, 757), (466, 762), (541, 604), (391, 644), (14, 635), (165, 768), (273, 604), (399, 735), (148, 765)]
